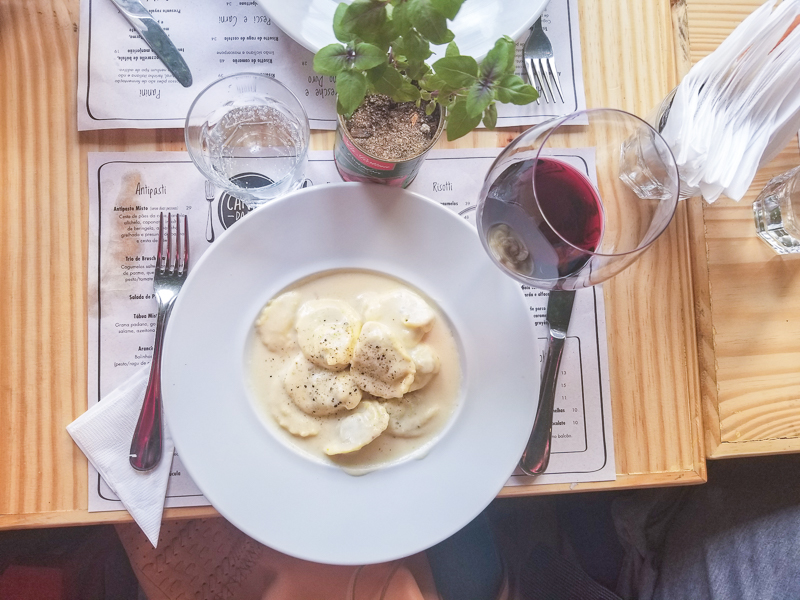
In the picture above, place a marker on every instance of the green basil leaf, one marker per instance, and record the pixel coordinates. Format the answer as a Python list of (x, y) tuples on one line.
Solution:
[(415, 48), (452, 50), (511, 89), (367, 56), (338, 30), (511, 65), (331, 59), (433, 83), (429, 22), (417, 70), (401, 19), (364, 19), (494, 65), (384, 36), (459, 123), (387, 80), (490, 116), (457, 71), (449, 8), (398, 48), (351, 87), (479, 97)]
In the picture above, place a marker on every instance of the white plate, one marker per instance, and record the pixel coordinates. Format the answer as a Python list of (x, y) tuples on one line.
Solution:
[(477, 26), (312, 510)]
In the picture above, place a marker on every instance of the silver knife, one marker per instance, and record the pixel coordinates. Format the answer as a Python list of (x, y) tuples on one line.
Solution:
[(151, 32), (537, 453)]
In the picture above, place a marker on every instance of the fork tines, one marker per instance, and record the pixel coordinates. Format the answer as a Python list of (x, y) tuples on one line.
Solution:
[(540, 65), (544, 76), (177, 263)]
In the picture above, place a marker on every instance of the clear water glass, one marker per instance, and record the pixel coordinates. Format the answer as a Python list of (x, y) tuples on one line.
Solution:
[(776, 212), (658, 119), (248, 134)]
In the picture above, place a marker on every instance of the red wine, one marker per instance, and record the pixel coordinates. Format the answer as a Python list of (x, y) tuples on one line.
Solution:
[(521, 239)]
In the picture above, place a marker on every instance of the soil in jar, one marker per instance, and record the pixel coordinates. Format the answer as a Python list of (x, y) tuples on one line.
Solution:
[(392, 130)]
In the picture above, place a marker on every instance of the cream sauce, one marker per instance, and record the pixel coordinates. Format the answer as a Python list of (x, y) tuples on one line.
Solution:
[(415, 421)]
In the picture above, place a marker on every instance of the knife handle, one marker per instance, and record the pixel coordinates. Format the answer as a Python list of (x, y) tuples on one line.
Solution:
[(537, 452)]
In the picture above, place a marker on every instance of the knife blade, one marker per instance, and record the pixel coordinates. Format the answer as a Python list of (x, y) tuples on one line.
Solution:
[(536, 457), (155, 37)]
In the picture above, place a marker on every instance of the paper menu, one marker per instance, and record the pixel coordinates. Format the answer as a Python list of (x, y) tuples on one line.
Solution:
[(122, 84), (127, 192)]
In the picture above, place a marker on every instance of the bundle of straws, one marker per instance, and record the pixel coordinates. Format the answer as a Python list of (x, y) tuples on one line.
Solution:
[(738, 107)]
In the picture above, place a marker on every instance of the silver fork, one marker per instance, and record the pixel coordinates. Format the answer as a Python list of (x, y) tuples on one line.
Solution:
[(168, 278), (539, 63)]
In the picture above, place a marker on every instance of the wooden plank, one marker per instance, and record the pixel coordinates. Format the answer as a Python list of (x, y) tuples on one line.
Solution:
[(748, 318), (43, 260), (653, 358), (629, 56), (81, 517), (74, 518)]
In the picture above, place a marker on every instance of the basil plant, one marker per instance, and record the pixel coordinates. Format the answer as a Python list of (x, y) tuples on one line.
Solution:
[(383, 49)]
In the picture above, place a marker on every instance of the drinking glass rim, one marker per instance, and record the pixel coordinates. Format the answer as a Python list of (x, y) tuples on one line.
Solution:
[(558, 122), (218, 180)]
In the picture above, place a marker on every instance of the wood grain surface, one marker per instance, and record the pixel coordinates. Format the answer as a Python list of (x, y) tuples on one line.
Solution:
[(633, 51), (748, 298)]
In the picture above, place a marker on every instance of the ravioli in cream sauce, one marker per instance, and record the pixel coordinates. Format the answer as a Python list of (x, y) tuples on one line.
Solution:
[(355, 368)]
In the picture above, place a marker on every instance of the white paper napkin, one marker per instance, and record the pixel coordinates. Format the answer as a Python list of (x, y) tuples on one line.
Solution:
[(739, 106), (104, 434)]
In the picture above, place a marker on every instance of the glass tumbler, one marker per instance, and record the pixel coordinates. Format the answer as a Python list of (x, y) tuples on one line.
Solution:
[(248, 134), (777, 210)]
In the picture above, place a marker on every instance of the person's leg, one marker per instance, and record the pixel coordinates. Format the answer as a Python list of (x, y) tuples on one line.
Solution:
[(586, 524), (514, 550), (468, 564), (738, 536)]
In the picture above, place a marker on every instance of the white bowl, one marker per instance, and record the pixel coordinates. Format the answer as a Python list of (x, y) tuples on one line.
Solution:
[(477, 26), (312, 510)]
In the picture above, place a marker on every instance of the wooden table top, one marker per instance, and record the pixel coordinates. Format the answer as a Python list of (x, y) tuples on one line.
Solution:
[(748, 298), (633, 54)]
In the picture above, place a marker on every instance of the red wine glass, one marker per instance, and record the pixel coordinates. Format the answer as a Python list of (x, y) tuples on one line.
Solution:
[(574, 201), (567, 205)]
